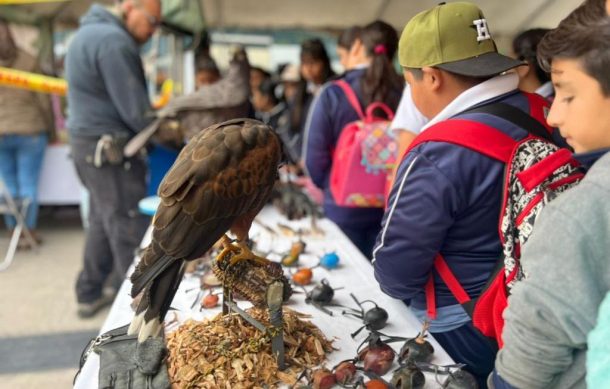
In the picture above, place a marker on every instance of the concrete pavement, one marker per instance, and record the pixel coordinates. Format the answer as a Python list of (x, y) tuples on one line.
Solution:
[(41, 337)]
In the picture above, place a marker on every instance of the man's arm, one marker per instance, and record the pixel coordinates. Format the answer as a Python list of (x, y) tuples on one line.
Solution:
[(420, 211), (549, 313), (123, 77)]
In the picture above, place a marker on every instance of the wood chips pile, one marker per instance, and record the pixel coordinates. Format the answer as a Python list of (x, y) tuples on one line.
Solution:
[(229, 353)]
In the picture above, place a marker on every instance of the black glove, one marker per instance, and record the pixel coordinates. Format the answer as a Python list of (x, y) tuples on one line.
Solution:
[(127, 364)]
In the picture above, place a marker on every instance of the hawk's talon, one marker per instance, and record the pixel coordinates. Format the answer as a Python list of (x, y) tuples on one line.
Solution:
[(245, 254)]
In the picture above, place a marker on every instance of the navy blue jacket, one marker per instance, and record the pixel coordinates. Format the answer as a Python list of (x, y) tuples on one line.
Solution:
[(107, 89), (446, 199), (329, 113)]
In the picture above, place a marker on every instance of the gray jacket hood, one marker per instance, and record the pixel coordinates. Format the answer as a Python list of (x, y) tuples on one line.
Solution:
[(99, 15)]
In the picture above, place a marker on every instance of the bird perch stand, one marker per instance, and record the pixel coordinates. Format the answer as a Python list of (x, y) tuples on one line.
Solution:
[(274, 297)]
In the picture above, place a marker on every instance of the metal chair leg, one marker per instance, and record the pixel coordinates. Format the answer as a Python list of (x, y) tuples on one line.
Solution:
[(9, 207), (12, 248), (25, 203)]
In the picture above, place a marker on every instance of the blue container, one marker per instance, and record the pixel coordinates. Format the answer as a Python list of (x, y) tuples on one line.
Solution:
[(160, 160)]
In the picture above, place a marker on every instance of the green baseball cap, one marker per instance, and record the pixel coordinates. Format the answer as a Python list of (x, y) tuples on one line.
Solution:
[(453, 37)]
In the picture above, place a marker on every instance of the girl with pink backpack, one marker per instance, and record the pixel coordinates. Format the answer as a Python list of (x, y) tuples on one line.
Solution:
[(342, 104)]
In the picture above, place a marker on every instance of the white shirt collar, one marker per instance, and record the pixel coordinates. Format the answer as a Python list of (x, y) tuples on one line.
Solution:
[(546, 90), (484, 91)]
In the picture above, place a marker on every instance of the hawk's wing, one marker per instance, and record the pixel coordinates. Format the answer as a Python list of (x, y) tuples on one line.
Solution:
[(225, 172)]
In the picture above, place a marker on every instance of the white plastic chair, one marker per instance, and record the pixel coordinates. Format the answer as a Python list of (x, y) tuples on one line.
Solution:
[(8, 206)]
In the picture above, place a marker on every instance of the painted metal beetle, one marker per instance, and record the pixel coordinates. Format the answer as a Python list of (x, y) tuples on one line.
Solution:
[(321, 296), (373, 319), (458, 378), (408, 376), (416, 349)]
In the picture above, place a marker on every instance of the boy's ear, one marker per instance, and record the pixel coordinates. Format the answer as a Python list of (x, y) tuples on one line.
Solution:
[(433, 78), (523, 71)]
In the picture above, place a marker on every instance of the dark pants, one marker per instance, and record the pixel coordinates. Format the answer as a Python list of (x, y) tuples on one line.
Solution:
[(116, 228), (467, 345), (362, 236)]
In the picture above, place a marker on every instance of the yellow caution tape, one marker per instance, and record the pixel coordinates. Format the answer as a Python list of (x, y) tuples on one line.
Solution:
[(32, 81), (4, 2)]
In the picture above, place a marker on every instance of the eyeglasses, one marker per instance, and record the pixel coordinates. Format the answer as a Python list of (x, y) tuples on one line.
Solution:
[(152, 20)]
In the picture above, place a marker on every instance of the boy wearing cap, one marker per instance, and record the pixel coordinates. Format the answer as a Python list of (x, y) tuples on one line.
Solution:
[(552, 311), (446, 198)]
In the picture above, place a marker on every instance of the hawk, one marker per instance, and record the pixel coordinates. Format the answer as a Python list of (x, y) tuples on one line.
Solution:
[(221, 180)]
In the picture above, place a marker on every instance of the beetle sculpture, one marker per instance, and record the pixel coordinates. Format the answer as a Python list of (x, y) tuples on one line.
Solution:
[(458, 378), (329, 261), (374, 319), (417, 349), (345, 371), (321, 296), (292, 257), (408, 376), (375, 382), (320, 378), (377, 356), (303, 276)]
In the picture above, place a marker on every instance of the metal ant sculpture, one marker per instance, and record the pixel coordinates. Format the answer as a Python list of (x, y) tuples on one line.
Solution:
[(321, 296), (374, 319), (408, 376)]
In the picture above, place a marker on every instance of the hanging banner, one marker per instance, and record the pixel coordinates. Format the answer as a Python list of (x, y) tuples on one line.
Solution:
[(32, 81)]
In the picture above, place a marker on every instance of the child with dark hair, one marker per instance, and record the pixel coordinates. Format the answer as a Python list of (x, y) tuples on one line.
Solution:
[(257, 76), (532, 78), (269, 108), (374, 80), (206, 71), (344, 45), (551, 312), (315, 70)]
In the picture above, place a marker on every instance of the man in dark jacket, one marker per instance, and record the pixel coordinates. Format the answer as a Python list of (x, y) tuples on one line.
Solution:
[(108, 104), (446, 198)]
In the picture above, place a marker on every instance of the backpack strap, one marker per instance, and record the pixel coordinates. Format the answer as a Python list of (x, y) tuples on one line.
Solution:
[(473, 135), (443, 270), (351, 97), (516, 116), (478, 136)]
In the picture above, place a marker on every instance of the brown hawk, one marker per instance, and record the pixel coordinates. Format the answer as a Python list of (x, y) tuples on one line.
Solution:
[(221, 180)]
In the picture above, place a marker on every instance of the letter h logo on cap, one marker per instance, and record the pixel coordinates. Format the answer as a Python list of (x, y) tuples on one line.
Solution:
[(482, 29)]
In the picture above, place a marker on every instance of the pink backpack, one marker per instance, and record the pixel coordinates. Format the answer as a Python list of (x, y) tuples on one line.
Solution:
[(364, 155)]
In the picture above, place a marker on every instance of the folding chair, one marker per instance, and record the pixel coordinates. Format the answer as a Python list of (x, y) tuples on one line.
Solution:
[(8, 206)]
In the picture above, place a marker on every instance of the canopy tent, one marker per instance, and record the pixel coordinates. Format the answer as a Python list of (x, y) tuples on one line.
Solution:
[(506, 17)]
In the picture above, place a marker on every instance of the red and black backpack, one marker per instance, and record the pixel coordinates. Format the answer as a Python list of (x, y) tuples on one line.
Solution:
[(536, 170)]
